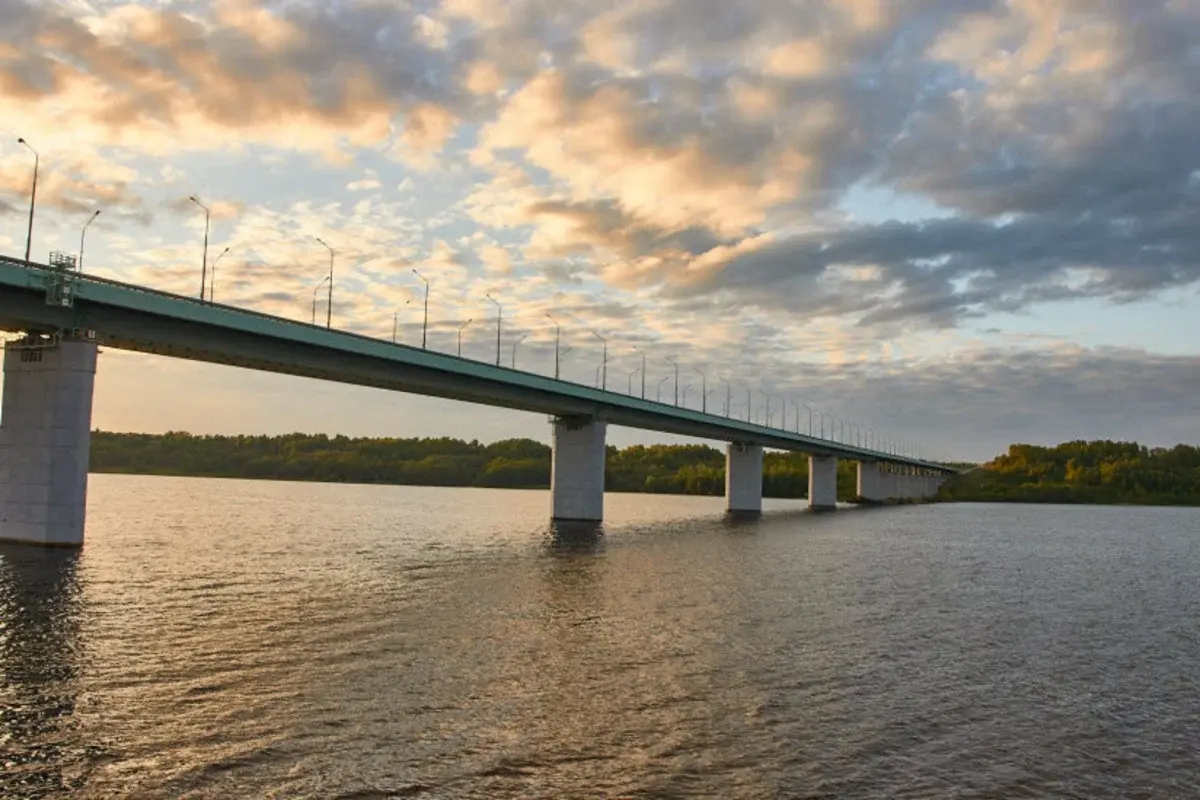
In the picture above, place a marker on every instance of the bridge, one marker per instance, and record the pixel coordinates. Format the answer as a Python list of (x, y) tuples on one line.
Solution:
[(64, 316)]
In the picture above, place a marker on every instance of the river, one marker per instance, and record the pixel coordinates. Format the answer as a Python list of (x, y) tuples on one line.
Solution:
[(225, 639)]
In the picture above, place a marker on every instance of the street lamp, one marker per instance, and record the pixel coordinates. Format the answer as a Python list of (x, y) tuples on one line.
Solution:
[(658, 388), (460, 330), (329, 298), (629, 387), (499, 318), (557, 341), (684, 392), (516, 342), (212, 276), (425, 322), (640, 352), (675, 364), (767, 412), (314, 303), (82, 233), (604, 363), (810, 413), (728, 393), (204, 257), (32, 196), (703, 389)]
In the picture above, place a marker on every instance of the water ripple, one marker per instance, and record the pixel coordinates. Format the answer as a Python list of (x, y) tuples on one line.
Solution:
[(377, 642)]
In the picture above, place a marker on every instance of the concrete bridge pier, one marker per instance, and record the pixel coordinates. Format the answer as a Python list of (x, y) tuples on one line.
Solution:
[(45, 440), (743, 478), (887, 483), (822, 483), (577, 469), (870, 482)]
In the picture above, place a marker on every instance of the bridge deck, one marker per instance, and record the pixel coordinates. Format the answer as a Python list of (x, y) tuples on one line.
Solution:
[(145, 320)]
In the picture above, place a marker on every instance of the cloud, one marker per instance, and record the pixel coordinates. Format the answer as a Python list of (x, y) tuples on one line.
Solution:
[(669, 172), (940, 271), (975, 404), (161, 79), (368, 182), (74, 183)]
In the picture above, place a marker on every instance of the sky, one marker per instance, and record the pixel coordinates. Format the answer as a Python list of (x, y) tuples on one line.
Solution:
[(958, 223)]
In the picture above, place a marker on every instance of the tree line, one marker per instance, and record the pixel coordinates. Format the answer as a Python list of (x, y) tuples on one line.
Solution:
[(511, 463), (1084, 472)]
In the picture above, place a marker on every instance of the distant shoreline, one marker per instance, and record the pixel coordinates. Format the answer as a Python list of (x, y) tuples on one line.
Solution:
[(1084, 473)]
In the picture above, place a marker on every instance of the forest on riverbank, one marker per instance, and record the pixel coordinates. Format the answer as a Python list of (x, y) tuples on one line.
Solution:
[(512, 463), (1084, 472)]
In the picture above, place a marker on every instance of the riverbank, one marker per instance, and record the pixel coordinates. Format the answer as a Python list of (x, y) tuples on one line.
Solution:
[(1083, 473)]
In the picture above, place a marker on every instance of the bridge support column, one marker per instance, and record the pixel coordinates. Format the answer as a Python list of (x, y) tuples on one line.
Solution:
[(743, 478), (45, 441), (870, 482), (822, 483), (577, 470)]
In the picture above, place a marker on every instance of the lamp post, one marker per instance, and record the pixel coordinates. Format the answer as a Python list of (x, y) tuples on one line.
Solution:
[(314, 303), (499, 319), (460, 330), (557, 341), (329, 297), (703, 389), (204, 257), (212, 276), (675, 364), (641, 353), (728, 393), (683, 394), (658, 388), (810, 421), (516, 342), (767, 412), (82, 233), (629, 387), (32, 196), (604, 363), (425, 320)]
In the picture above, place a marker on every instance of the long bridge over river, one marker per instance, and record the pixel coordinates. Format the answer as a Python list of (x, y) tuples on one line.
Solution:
[(65, 316)]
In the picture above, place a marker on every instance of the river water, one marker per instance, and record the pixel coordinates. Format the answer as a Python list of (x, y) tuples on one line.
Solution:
[(251, 639)]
